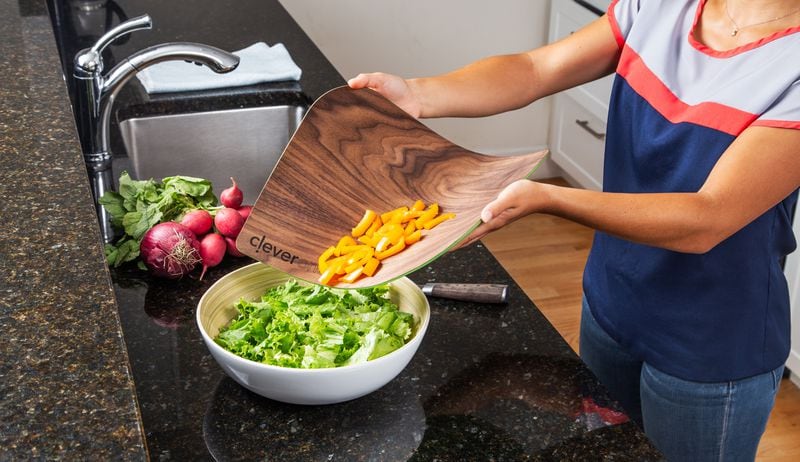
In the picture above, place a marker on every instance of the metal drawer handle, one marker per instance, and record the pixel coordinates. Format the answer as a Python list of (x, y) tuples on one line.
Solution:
[(585, 125)]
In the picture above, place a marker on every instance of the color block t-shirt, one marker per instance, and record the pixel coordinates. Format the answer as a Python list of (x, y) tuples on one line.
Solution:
[(675, 107)]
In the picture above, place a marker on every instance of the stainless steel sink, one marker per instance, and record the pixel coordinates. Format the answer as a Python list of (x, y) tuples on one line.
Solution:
[(241, 143)]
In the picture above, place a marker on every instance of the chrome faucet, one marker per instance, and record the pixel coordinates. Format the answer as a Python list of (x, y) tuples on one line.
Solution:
[(96, 93)]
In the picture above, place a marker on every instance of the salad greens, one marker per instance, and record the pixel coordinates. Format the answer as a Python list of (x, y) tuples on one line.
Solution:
[(140, 205), (317, 327)]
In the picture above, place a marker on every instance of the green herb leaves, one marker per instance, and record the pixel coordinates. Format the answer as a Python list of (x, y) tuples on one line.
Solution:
[(141, 204), (317, 327)]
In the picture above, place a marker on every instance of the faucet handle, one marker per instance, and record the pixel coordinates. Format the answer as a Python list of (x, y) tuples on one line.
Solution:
[(90, 61), (140, 22)]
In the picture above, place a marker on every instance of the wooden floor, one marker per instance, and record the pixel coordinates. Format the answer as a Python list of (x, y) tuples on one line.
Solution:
[(545, 255)]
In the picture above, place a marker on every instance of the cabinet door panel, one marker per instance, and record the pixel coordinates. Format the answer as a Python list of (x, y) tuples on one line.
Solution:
[(578, 142)]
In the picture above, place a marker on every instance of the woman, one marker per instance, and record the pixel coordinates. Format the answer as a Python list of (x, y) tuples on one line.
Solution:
[(686, 309)]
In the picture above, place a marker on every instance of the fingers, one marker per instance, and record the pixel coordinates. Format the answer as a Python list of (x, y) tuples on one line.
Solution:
[(487, 214), (513, 202), (510, 204), (373, 80), (497, 213), (477, 234), (359, 81)]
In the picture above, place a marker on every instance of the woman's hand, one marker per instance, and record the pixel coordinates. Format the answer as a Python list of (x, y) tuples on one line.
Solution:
[(518, 199), (394, 88)]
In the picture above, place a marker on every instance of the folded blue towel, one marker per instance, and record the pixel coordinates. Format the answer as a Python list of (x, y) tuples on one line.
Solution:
[(258, 63)]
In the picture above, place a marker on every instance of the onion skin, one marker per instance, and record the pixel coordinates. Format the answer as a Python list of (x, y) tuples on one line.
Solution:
[(228, 222), (232, 197), (170, 250)]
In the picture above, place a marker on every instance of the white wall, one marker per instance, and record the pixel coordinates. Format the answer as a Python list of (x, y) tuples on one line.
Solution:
[(421, 37)]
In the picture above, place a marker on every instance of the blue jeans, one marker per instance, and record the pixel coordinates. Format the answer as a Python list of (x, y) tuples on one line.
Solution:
[(687, 421)]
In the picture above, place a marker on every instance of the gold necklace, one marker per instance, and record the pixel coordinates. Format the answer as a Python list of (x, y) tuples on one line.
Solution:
[(737, 28)]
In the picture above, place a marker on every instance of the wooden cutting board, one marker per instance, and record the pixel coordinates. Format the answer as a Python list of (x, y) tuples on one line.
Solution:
[(355, 150)]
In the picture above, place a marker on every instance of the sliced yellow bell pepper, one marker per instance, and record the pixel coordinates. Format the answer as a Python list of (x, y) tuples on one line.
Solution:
[(364, 224), (371, 266), (393, 250), (375, 226), (345, 241), (413, 238), (428, 215), (359, 258), (393, 231), (410, 228), (327, 275), (371, 241), (377, 237), (352, 276), (383, 244), (322, 262), (351, 249), (435, 221), (395, 214), (411, 215)]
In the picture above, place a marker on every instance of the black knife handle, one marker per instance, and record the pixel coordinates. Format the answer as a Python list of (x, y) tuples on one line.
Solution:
[(481, 293)]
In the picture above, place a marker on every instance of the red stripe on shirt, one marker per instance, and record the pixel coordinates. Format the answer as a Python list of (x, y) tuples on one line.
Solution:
[(612, 19), (712, 115), (703, 48), (777, 124)]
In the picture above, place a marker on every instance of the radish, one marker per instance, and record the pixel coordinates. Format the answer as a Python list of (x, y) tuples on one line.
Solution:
[(228, 222), (170, 250), (232, 197), (233, 251), (212, 251), (198, 221), (245, 210)]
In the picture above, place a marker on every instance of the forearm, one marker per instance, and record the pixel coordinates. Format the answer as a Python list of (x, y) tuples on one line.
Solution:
[(759, 170), (503, 83), (489, 86), (684, 222)]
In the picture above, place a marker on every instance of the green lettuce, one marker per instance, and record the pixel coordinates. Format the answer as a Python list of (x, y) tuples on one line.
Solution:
[(313, 327)]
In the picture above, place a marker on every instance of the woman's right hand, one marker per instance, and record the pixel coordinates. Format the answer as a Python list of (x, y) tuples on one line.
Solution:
[(394, 88)]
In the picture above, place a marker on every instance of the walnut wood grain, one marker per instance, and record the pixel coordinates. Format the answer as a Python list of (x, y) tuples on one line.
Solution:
[(356, 150)]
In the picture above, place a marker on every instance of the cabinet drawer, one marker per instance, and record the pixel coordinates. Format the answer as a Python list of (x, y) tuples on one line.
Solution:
[(578, 142)]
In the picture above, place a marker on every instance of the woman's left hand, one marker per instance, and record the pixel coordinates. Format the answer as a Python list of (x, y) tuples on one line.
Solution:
[(515, 201)]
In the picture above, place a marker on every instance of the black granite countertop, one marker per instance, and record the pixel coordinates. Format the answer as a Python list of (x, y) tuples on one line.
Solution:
[(489, 382), (65, 381), (109, 365)]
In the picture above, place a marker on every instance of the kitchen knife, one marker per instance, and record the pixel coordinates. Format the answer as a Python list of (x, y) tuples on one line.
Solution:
[(481, 293)]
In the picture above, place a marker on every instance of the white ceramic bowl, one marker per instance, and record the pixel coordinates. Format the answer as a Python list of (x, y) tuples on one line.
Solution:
[(302, 386)]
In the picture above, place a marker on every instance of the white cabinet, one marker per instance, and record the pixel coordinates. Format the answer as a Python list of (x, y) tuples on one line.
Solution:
[(578, 121)]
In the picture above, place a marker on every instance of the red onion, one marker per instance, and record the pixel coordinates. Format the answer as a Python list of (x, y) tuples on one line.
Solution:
[(170, 250)]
